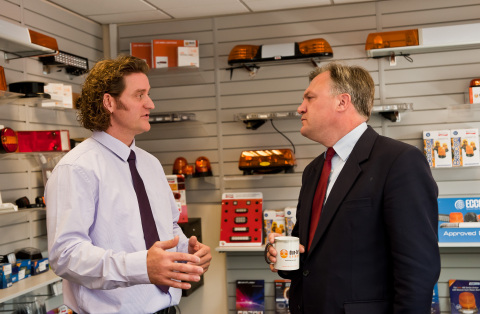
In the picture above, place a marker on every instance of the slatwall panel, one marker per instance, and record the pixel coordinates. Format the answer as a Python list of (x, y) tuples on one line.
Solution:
[(20, 175), (435, 83)]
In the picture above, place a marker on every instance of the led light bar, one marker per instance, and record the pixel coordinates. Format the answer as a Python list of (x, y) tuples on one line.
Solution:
[(266, 115), (171, 117), (73, 64)]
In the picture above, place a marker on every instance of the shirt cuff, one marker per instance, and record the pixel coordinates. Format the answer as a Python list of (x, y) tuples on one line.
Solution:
[(136, 264)]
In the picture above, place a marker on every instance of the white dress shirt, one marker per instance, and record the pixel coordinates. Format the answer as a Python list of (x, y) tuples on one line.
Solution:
[(95, 235), (343, 148)]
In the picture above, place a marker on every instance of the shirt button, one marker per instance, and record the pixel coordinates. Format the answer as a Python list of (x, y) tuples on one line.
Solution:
[(306, 273)]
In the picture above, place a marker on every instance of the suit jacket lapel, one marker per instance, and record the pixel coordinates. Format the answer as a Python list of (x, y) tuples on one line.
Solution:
[(309, 187), (343, 184)]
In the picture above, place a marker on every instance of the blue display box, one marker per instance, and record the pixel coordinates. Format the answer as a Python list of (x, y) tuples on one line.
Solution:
[(459, 220)]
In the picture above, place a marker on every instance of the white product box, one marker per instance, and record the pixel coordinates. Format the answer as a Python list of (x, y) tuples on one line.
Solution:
[(437, 148), (273, 222), (67, 96), (61, 95), (290, 219), (55, 90), (474, 94), (465, 147), (188, 56)]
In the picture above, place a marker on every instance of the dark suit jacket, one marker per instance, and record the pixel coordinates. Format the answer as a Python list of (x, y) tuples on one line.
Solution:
[(375, 250)]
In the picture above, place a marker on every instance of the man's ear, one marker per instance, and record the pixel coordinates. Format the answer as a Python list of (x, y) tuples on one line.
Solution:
[(108, 102), (344, 101)]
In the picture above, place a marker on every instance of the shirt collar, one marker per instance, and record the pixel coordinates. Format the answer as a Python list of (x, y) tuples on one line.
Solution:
[(345, 145), (113, 144)]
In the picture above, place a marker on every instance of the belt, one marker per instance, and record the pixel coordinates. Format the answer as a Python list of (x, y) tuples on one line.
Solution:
[(168, 310)]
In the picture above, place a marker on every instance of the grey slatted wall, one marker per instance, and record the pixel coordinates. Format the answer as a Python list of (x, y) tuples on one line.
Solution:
[(435, 83), (20, 175)]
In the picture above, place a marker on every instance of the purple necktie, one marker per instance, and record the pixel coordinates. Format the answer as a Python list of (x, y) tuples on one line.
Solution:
[(150, 233)]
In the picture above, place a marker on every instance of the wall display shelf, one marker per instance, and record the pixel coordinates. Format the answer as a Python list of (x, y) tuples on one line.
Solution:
[(392, 111), (22, 210), (28, 285), (252, 67), (10, 98), (459, 244), (173, 70), (256, 119), (226, 249), (243, 178)]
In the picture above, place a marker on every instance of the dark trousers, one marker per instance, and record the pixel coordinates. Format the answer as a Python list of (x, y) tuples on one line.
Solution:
[(168, 310)]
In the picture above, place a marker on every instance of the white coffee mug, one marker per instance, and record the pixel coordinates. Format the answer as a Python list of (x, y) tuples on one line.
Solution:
[(288, 253)]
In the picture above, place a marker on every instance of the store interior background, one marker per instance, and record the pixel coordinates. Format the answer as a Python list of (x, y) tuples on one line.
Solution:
[(435, 83)]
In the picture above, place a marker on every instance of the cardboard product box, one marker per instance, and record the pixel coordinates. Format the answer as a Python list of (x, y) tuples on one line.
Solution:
[(435, 308), (39, 266), (55, 90), (67, 96), (282, 296), (5, 275), (459, 219), (177, 184), (474, 94), (165, 52), (290, 219), (142, 51), (437, 148), (465, 147), (61, 95), (273, 222), (22, 269), (250, 296), (188, 56), (464, 296)]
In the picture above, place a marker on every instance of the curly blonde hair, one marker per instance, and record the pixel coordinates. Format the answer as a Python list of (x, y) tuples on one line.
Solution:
[(106, 77)]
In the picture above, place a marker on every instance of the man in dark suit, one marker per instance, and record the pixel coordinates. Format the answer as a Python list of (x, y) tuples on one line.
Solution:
[(374, 250)]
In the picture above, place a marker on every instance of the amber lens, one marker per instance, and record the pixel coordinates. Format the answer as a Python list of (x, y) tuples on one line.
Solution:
[(314, 46), (467, 300), (202, 167), (392, 39), (475, 82), (9, 140), (243, 53), (456, 217), (179, 165)]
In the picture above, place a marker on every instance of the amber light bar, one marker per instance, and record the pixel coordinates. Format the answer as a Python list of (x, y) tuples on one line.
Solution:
[(267, 161), (422, 40), (313, 48)]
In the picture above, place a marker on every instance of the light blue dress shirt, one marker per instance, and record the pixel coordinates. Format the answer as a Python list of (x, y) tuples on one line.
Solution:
[(95, 235), (343, 148)]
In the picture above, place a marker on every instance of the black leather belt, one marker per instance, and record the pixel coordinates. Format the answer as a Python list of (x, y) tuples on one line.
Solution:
[(168, 310)]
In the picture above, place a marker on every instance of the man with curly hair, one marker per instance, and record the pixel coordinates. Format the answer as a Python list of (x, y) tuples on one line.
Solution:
[(99, 240)]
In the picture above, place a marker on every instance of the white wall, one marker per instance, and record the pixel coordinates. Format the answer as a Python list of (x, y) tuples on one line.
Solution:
[(435, 83)]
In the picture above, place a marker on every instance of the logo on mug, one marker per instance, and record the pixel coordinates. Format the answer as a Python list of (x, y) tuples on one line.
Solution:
[(283, 253)]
